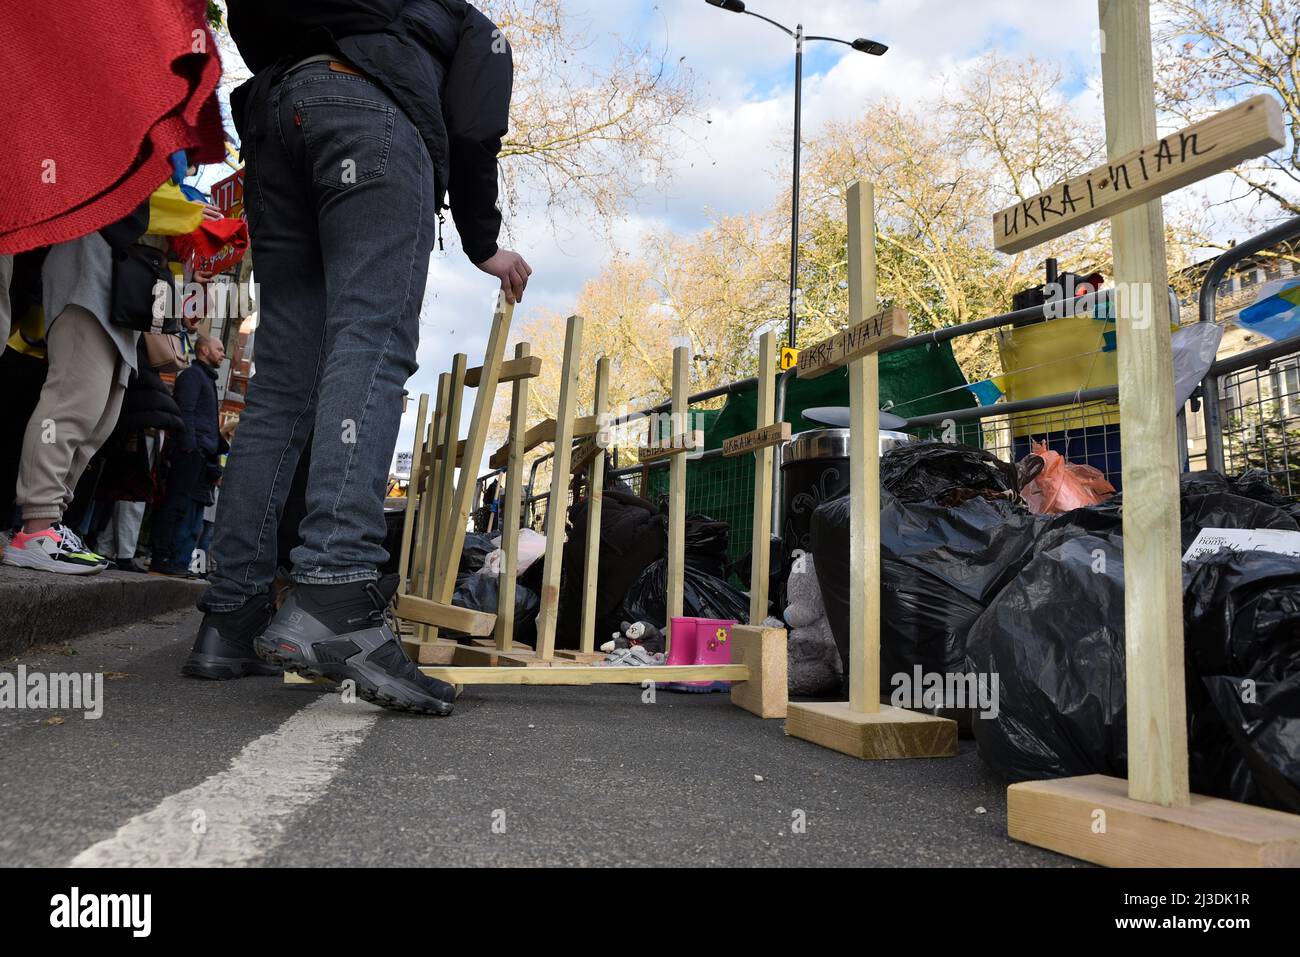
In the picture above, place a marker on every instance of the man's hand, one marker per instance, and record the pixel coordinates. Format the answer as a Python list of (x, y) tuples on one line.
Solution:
[(510, 268)]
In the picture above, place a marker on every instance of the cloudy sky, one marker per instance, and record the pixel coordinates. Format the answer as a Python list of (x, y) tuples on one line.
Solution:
[(736, 157)]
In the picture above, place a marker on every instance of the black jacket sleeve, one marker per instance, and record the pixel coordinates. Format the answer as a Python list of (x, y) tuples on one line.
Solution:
[(187, 395), (476, 104)]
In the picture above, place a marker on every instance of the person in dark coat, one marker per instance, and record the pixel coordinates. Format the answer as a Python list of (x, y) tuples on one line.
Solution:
[(359, 117), (128, 481), (193, 457)]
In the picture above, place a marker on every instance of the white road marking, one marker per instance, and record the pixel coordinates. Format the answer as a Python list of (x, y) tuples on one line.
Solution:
[(237, 816)]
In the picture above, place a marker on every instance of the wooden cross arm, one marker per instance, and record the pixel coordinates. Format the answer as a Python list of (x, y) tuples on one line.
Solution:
[(684, 442), (775, 434), (543, 432), (512, 370), (1219, 142), (868, 336), (478, 623)]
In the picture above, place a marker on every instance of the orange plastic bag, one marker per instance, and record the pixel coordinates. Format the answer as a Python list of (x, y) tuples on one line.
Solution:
[(1059, 486)]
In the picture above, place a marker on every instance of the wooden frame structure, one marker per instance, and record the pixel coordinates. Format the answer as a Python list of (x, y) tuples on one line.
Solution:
[(1152, 819), (434, 539), (862, 726)]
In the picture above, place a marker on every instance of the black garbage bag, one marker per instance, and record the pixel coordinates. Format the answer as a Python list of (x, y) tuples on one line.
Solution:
[(633, 534), (940, 567), (945, 472), (1054, 639), (706, 544), (703, 596), (1206, 500), (1243, 662), (481, 592), (474, 552)]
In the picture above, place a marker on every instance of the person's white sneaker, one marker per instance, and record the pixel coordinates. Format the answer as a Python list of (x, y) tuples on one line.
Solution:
[(56, 549)]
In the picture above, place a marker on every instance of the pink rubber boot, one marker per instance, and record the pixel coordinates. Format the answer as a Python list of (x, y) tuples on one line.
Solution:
[(681, 651), (710, 645)]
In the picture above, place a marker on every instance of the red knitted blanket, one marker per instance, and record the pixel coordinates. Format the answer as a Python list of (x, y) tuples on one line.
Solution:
[(95, 96)]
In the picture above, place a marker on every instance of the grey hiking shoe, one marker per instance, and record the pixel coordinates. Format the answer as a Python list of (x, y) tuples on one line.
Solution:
[(341, 632)]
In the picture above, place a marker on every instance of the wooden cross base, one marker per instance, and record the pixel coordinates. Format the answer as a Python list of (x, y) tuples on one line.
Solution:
[(884, 734), (438, 651), (582, 657), (588, 675), (1067, 816), (482, 655), (764, 652)]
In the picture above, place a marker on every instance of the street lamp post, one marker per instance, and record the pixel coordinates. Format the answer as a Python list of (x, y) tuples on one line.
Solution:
[(862, 46)]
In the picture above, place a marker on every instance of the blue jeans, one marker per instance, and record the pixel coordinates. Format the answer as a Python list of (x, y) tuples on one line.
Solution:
[(340, 205)]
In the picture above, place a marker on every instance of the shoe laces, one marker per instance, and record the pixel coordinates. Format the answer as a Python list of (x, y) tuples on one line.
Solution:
[(380, 612), (69, 541)]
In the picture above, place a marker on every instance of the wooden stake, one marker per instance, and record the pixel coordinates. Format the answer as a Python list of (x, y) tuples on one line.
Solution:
[(457, 518), (864, 464), (413, 493), (444, 472), (677, 493), (512, 513), (761, 548), (1153, 604), (595, 495), (557, 504)]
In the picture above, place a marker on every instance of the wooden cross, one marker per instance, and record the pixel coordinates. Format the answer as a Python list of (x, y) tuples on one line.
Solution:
[(862, 726), (753, 644), (1153, 819)]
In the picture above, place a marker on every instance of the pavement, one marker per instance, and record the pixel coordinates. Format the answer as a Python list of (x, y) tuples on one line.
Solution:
[(254, 772), (38, 607)]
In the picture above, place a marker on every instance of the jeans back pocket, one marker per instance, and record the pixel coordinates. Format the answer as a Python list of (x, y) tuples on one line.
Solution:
[(347, 138)]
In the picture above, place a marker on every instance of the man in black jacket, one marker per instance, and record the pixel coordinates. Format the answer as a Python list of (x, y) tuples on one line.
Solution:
[(360, 115), (191, 451)]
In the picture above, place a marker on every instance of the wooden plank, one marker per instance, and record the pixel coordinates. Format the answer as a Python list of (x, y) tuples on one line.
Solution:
[(480, 422), (595, 496), (512, 516), (756, 440), (761, 537), (765, 653), (881, 735), (557, 504), (864, 464), (460, 453), (676, 445), (864, 336), (430, 485), (582, 657), (543, 432), (1144, 168), (675, 594), (583, 455), (474, 656), (436, 652), (412, 494), (588, 675), (1094, 819), (512, 370), (436, 559), (1153, 596), (445, 616)]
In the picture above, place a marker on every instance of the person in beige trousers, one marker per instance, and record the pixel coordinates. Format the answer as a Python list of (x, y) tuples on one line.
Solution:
[(90, 362)]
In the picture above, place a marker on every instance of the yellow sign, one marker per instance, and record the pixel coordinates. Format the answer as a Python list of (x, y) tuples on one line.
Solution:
[(789, 358)]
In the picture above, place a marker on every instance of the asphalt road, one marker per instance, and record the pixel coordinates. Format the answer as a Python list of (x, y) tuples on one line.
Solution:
[(253, 772)]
